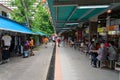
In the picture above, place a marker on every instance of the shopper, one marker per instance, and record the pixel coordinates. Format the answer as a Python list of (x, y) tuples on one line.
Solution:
[(112, 52), (26, 49), (92, 54), (59, 41), (31, 46), (45, 41), (100, 58)]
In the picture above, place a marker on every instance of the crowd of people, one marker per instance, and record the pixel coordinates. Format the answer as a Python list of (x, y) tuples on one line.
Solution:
[(101, 54), (26, 46), (105, 53)]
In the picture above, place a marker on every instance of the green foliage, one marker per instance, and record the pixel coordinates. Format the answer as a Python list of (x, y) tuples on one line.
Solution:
[(41, 21), (19, 13), (38, 16)]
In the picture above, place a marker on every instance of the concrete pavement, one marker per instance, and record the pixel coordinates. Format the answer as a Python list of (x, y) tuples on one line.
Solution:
[(32, 68), (73, 66), (76, 66)]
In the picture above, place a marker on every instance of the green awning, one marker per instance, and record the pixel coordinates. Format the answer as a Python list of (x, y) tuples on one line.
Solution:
[(68, 11)]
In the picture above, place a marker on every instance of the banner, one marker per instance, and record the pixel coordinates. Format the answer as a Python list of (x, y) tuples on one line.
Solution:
[(79, 37)]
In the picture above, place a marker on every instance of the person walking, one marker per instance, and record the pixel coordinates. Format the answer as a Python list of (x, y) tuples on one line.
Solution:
[(45, 41), (58, 40), (31, 44)]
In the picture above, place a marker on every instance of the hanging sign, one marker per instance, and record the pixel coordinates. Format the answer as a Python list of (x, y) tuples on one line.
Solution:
[(101, 30)]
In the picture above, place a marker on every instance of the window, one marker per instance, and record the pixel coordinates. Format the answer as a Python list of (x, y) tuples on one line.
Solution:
[(4, 14)]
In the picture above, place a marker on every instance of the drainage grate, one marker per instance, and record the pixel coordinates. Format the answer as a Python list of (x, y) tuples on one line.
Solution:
[(50, 75)]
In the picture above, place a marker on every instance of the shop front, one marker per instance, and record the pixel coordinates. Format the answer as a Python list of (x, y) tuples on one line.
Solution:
[(102, 33), (114, 34), (12, 36)]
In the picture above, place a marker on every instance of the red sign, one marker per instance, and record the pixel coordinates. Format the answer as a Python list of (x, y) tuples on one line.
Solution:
[(79, 37)]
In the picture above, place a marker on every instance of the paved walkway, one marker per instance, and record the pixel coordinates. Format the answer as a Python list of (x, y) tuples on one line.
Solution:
[(32, 68), (76, 66)]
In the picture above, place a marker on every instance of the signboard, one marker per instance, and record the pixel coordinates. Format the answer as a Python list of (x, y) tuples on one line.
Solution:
[(118, 32), (102, 30), (113, 28), (112, 32), (87, 30)]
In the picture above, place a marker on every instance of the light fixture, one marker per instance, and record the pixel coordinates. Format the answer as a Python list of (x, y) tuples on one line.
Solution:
[(65, 28), (95, 6), (71, 23), (109, 11), (99, 21)]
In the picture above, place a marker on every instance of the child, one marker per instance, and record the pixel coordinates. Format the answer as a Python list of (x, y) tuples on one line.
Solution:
[(26, 49)]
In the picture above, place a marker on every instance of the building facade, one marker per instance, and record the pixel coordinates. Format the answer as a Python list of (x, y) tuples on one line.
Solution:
[(5, 11)]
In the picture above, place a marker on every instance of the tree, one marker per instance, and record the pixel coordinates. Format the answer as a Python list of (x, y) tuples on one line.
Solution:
[(42, 23), (37, 17), (22, 11)]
